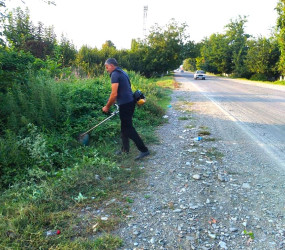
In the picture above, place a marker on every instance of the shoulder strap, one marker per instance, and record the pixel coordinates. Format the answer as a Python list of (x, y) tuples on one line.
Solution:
[(125, 74)]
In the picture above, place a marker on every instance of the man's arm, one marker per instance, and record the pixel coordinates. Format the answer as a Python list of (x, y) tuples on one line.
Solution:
[(112, 98)]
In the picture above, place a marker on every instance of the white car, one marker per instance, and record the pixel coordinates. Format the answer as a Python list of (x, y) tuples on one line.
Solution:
[(200, 74)]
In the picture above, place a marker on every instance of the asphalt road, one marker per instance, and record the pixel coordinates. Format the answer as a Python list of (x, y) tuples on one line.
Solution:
[(256, 110)]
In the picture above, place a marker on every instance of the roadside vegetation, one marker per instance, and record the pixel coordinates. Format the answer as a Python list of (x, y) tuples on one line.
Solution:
[(47, 177), (49, 94)]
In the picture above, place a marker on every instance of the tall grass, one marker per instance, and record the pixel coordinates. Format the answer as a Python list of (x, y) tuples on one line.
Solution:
[(47, 176)]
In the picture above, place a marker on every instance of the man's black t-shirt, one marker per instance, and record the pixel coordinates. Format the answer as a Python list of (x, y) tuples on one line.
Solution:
[(125, 94)]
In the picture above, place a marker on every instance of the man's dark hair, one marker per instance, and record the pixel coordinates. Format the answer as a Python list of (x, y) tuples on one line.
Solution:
[(111, 61)]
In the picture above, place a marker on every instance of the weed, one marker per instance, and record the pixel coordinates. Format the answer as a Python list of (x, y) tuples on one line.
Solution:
[(203, 132), (250, 234), (214, 153), (189, 126), (184, 118), (209, 139), (129, 200), (80, 198)]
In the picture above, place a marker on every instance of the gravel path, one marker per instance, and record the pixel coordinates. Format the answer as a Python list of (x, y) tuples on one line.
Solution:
[(217, 193)]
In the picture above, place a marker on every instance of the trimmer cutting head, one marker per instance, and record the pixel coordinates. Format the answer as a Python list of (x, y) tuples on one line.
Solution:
[(83, 139)]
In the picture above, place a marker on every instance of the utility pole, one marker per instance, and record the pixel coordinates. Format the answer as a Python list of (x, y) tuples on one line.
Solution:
[(145, 9)]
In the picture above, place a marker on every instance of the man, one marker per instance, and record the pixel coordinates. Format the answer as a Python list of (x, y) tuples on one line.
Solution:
[(122, 93)]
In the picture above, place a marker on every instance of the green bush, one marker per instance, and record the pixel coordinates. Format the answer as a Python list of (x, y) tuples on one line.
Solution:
[(46, 176), (259, 77), (41, 120), (14, 68)]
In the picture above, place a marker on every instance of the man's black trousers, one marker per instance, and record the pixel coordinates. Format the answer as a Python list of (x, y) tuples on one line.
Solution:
[(127, 129)]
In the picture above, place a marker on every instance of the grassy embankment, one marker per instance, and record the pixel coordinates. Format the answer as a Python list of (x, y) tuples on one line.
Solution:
[(282, 83), (51, 182), (258, 81)]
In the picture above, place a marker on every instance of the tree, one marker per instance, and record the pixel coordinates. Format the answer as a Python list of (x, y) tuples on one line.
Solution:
[(189, 64), (21, 34), (3, 5), (162, 50), (68, 52), (89, 60), (281, 34), (19, 29), (237, 42), (14, 68), (108, 44), (262, 58), (191, 51), (217, 54), (108, 50)]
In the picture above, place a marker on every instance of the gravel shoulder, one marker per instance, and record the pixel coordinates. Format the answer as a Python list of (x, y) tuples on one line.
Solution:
[(217, 193)]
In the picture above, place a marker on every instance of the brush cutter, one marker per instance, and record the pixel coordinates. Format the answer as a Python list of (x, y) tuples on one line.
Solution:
[(84, 137)]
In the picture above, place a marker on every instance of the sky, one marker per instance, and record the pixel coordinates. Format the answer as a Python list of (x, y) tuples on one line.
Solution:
[(92, 22)]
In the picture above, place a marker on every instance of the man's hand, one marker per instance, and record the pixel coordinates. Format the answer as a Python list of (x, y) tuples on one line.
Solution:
[(105, 109), (112, 98)]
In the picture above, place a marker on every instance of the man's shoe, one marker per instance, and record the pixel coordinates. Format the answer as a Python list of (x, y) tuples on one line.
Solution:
[(142, 155)]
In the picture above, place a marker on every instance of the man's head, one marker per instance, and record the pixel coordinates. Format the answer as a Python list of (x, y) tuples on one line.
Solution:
[(111, 64)]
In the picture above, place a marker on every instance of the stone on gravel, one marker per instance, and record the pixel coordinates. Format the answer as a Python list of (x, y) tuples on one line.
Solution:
[(223, 245), (221, 178), (212, 236), (177, 210), (196, 177), (233, 229), (246, 186)]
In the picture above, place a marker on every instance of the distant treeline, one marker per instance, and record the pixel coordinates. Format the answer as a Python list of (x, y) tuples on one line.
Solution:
[(25, 46), (36, 47), (238, 54)]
